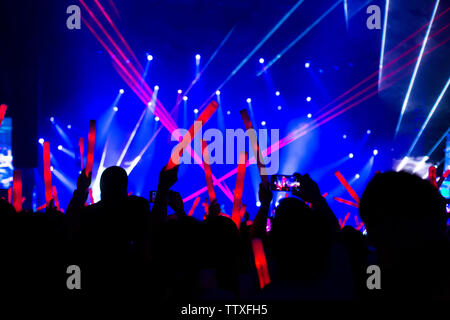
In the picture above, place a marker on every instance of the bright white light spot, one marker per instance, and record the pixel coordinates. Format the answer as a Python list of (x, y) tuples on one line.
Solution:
[(149, 57), (41, 141), (156, 119), (279, 108), (369, 131), (307, 65), (180, 91), (258, 203), (357, 176), (375, 152), (121, 91), (309, 115), (344, 136), (263, 123), (350, 155), (69, 126), (308, 99), (60, 147), (261, 60), (228, 112), (52, 119), (277, 204), (51, 168), (277, 93), (156, 88), (217, 93), (197, 57), (249, 100), (185, 98), (115, 109), (195, 110)]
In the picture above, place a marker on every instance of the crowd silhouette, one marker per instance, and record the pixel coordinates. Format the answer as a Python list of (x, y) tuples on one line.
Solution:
[(125, 247)]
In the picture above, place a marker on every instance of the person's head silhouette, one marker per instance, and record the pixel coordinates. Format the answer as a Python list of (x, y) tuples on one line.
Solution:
[(113, 184)]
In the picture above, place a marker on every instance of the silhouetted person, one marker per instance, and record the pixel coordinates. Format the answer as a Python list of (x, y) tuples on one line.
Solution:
[(406, 219)]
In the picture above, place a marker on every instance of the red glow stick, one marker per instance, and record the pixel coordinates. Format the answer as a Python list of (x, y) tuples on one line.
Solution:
[(208, 174), (55, 197), (350, 203), (47, 173), (41, 208), (17, 190), (3, 108), (196, 201), (91, 147), (91, 196), (189, 136), (81, 145), (260, 262), (10, 195), (345, 220), (325, 194), (255, 146), (242, 211), (347, 186), (442, 179), (432, 175), (236, 214)]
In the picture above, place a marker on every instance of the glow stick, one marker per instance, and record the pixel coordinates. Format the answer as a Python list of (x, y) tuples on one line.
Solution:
[(236, 214), (260, 262), (255, 146), (189, 136), (55, 197), (347, 186), (208, 174), (345, 220), (10, 195), (41, 208), (242, 211), (91, 197), (350, 203), (91, 147), (432, 175), (196, 201), (81, 145), (17, 190), (47, 173), (3, 108), (442, 179)]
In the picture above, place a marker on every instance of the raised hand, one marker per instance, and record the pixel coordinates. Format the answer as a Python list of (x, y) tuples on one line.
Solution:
[(83, 181), (167, 178), (265, 195), (176, 202), (309, 190), (214, 209)]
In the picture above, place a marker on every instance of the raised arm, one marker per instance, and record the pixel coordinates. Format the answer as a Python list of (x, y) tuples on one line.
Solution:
[(258, 229)]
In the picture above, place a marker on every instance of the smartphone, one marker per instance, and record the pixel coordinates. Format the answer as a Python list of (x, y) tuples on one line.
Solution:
[(152, 197), (281, 182)]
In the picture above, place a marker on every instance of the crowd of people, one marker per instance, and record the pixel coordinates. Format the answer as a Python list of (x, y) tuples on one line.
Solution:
[(125, 246)]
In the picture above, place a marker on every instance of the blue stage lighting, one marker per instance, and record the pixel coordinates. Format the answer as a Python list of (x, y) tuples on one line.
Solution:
[(217, 93), (307, 65), (277, 93), (279, 108), (195, 110), (309, 115), (52, 119), (69, 126), (185, 98), (60, 147), (149, 57), (263, 123), (121, 91), (156, 88), (261, 60), (180, 91), (258, 203), (344, 136), (115, 109), (156, 119), (308, 99), (357, 176), (228, 112), (369, 131), (197, 57), (249, 100), (350, 155), (375, 152)]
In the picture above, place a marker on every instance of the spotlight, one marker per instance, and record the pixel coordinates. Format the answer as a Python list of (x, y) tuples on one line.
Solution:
[(258, 203), (279, 108), (344, 136), (149, 57), (369, 131), (350, 155), (308, 99), (180, 91), (185, 98), (195, 110), (320, 70), (277, 204), (197, 57), (357, 176), (375, 152), (156, 88), (309, 115), (41, 141), (217, 93), (228, 112), (69, 126), (52, 119), (307, 65), (263, 123), (121, 91), (156, 119), (60, 147), (51, 168), (115, 109), (261, 60), (249, 100), (277, 93)]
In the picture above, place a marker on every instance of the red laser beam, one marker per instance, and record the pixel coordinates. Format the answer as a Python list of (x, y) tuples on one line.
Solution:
[(255, 146), (194, 205), (260, 262), (47, 173), (17, 190), (208, 174), (3, 108), (91, 148), (348, 202), (236, 214)]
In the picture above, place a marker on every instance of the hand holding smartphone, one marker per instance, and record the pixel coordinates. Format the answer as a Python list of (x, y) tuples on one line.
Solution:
[(286, 183)]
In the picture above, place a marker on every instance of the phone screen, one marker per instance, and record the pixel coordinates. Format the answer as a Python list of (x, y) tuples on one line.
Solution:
[(284, 183), (152, 197)]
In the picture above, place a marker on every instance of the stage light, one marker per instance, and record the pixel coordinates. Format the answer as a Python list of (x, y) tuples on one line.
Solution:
[(375, 152), (156, 119), (277, 93), (115, 109), (180, 91), (228, 112), (344, 136), (309, 115), (217, 93), (156, 88), (69, 126), (307, 65), (60, 147), (121, 91), (249, 100), (185, 98), (350, 155), (197, 57), (402, 164), (195, 111), (320, 70), (277, 204), (149, 57), (369, 131), (258, 203), (41, 141), (279, 108), (51, 168), (357, 176), (261, 60), (52, 119), (308, 99), (263, 123)]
